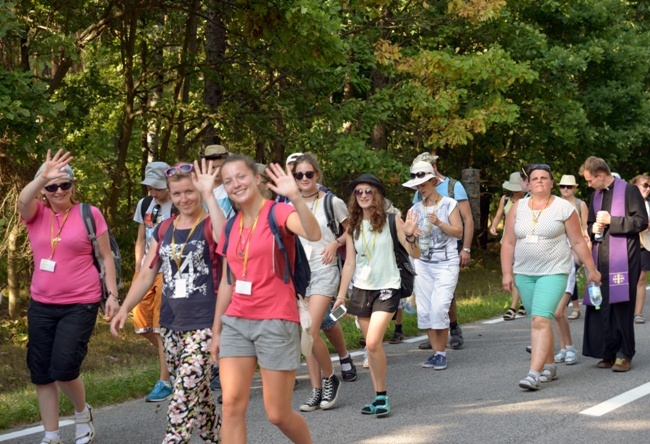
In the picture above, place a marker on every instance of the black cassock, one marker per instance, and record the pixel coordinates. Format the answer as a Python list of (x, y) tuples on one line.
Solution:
[(609, 332)]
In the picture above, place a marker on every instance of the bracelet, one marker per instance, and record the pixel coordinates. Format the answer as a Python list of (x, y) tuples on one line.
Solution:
[(338, 242), (341, 298), (410, 236)]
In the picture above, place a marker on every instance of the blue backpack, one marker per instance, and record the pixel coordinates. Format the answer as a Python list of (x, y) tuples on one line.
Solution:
[(301, 274)]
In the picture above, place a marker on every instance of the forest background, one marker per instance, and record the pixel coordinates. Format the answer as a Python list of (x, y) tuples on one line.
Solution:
[(366, 85)]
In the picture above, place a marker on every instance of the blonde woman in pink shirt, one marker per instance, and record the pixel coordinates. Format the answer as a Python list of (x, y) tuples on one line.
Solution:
[(65, 292)]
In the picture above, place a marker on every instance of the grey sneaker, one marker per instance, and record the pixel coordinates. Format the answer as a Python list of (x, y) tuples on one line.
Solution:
[(313, 403), (530, 383), (548, 374), (330, 392), (456, 341), (426, 345)]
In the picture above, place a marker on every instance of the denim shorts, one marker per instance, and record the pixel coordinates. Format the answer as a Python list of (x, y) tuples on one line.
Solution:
[(274, 342), (58, 340), (324, 282), (364, 302)]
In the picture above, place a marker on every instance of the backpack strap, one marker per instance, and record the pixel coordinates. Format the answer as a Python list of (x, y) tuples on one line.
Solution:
[(329, 215), (229, 223), (146, 203), (162, 229), (393, 232), (451, 186), (89, 223), (275, 229)]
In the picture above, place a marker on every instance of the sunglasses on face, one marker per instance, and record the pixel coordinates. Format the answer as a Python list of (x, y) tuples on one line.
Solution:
[(308, 175), (361, 191), (184, 168), (65, 186), (646, 185), (419, 175), (566, 187)]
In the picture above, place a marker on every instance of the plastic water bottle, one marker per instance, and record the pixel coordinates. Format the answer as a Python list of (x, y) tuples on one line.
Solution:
[(595, 295), (408, 306), (598, 237), (425, 238)]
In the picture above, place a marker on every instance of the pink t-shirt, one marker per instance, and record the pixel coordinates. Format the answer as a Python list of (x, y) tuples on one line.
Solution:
[(270, 297), (75, 279)]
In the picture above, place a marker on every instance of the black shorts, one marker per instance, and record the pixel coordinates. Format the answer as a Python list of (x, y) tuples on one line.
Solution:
[(364, 302), (58, 340), (645, 260)]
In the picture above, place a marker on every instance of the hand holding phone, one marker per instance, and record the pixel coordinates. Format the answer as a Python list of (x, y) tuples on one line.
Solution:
[(338, 313)]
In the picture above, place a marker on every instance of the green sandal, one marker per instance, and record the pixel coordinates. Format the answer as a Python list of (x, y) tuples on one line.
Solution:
[(368, 409), (382, 409)]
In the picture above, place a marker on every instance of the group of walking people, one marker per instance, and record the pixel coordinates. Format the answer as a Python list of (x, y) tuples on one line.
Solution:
[(210, 284)]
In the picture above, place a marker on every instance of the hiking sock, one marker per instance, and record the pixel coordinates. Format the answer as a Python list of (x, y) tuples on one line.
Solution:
[(398, 328), (453, 325), (345, 366), (571, 348), (54, 436), (442, 353), (82, 428), (381, 401), (534, 374)]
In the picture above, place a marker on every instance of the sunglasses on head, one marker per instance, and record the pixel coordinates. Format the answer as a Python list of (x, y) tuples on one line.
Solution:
[(537, 166), (65, 186), (300, 175), (184, 168), (566, 187), (361, 191), (419, 175)]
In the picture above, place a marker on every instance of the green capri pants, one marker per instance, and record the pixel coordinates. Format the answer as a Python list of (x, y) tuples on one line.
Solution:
[(541, 294)]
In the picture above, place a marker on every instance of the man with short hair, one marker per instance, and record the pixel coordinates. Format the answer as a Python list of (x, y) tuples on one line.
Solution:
[(449, 187), (215, 155), (149, 212), (616, 217)]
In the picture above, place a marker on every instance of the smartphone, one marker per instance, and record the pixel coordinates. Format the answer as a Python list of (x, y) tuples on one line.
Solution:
[(338, 313)]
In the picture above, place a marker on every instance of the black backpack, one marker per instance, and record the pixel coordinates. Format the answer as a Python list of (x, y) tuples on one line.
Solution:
[(301, 274), (146, 202), (89, 222), (406, 271)]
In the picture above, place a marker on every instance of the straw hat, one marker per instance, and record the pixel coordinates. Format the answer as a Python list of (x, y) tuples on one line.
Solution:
[(514, 183), (568, 179)]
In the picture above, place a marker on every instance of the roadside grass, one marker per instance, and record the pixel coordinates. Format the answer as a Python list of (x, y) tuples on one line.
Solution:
[(118, 370)]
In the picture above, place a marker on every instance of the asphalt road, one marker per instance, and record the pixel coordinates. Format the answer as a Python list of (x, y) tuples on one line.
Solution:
[(475, 400)]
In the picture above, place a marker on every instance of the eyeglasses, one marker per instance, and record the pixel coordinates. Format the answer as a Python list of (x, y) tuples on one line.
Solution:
[(566, 187), (361, 191), (65, 186), (646, 185), (419, 175), (184, 168), (300, 175)]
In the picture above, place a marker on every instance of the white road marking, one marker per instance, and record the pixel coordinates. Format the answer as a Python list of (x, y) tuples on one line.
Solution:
[(494, 321), (618, 401), (32, 431)]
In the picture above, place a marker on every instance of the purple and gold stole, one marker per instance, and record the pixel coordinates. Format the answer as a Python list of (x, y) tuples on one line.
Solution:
[(618, 279)]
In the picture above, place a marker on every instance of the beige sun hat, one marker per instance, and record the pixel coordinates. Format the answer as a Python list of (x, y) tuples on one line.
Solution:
[(514, 183), (568, 179), (420, 173)]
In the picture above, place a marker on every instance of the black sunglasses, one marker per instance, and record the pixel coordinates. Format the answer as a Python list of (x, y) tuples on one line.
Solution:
[(308, 175), (419, 175), (646, 185), (360, 191), (566, 187), (184, 168), (65, 186)]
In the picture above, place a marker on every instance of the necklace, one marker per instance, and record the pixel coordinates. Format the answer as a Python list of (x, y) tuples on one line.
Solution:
[(539, 212), (311, 195)]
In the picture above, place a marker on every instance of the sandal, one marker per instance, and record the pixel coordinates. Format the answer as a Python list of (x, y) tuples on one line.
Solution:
[(639, 319), (510, 315), (382, 409), (522, 311), (368, 409), (90, 434)]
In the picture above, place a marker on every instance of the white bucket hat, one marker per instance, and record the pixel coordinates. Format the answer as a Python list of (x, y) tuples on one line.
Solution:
[(420, 173), (568, 179), (514, 183)]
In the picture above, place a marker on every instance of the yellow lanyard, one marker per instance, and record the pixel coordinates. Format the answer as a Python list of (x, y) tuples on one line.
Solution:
[(54, 241), (250, 234), (532, 213), (180, 257), (365, 243)]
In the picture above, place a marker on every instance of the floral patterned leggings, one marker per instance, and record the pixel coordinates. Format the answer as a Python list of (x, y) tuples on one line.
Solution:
[(188, 360)]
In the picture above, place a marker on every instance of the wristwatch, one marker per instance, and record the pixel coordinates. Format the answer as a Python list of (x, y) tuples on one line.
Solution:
[(467, 250)]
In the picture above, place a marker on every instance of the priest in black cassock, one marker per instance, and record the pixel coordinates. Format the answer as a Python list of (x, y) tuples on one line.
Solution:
[(617, 210)]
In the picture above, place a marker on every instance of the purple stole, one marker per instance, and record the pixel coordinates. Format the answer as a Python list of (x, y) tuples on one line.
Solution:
[(618, 279)]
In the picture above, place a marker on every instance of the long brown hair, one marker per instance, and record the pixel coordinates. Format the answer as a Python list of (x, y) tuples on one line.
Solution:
[(378, 213)]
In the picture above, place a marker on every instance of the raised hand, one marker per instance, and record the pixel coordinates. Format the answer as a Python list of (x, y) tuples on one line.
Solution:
[(52, 166), (204, 175), (282, 182), (411, 223)]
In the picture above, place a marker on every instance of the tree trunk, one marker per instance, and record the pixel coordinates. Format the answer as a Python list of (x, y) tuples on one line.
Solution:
[(378, 137), (13, 282), (187, 59), (215, 51)]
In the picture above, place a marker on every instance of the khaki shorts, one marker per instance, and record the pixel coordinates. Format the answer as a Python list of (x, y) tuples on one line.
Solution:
[(146, 315)]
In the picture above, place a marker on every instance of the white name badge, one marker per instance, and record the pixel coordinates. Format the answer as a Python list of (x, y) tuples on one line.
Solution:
[(244, 287), (531, 239), (180, 291), (364, 273), (308, 249), (48, 265)]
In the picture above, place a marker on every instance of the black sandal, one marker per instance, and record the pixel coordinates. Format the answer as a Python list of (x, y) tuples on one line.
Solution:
[(522, 311), (510, 315)]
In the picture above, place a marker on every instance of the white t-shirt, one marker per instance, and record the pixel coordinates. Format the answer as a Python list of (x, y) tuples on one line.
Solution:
[(163, 213), (442, 247), (545, 250), (314, 249)]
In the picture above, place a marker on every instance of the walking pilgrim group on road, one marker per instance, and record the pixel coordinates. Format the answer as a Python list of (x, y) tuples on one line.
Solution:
[(215, 281)]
